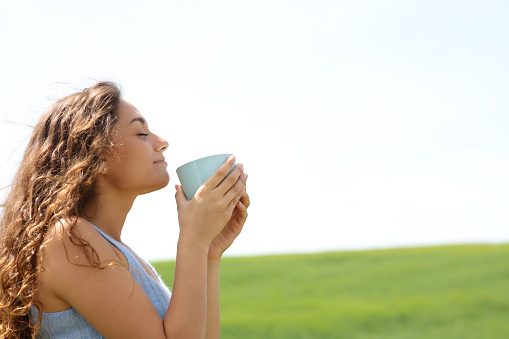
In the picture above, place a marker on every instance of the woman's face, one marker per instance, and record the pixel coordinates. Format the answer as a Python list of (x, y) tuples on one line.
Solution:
[(137, 165)]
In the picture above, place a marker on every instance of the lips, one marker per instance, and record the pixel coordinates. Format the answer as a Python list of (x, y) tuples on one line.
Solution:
[(161, 161)]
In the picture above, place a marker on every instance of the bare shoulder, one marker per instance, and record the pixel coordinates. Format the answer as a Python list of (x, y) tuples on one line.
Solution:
[(64, 259), (107, 296), (66, 243), (65, 256)]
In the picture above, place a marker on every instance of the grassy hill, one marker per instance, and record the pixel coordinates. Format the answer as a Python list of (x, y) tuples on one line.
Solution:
[(437, 292)]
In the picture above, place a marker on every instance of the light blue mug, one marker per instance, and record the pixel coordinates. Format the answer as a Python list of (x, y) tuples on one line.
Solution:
[(194, 174)]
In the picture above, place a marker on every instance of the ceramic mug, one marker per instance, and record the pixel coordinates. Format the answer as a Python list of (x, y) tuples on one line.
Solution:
[(194, 173)]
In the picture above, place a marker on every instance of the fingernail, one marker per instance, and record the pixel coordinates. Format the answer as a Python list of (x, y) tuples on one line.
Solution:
[(232, 158), (241, 166)]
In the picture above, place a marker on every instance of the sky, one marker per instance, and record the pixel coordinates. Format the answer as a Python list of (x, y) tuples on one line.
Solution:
[(362, 124)]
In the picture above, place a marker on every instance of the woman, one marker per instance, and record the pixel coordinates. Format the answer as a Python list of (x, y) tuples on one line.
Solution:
[(64, 271)]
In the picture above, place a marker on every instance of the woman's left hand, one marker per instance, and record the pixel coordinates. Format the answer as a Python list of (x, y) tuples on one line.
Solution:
[(232, 229)]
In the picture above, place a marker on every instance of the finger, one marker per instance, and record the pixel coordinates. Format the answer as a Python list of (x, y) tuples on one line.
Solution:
[(242, 213), (242, 210), (245, 200), (245, 197), (236, 198), (220, 174), (232, 178), (237, 188)]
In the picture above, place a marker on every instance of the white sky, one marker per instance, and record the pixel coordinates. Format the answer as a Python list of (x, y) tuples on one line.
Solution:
[(362, 124)]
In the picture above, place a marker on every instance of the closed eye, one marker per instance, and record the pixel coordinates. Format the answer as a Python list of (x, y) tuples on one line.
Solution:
[(143, 134)]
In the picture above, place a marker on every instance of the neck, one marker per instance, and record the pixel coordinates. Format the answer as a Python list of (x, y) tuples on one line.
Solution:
[(108, 212)]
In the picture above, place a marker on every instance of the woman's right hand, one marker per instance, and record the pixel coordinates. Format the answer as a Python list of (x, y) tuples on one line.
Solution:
[(202, 218)]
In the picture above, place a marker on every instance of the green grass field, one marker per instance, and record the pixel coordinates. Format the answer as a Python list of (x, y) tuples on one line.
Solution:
[(437, 292)]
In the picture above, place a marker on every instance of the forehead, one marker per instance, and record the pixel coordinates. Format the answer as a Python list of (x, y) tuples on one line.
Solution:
[(128, 114)]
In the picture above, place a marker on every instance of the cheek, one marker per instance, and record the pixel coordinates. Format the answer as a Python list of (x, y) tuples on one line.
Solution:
[(134, 154), (130, 161), (133, 170)]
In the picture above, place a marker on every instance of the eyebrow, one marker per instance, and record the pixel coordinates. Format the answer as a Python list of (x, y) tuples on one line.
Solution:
[(138, 119)]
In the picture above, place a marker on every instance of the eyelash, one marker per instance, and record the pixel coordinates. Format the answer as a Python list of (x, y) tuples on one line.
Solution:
[(145, 135)]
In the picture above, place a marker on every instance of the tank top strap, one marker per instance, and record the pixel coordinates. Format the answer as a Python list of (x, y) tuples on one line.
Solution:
[(156, 290), (134, 265)]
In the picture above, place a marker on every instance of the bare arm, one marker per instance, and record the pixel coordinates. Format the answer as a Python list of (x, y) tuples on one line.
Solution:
[(213, 318), (195, 243), (187, 312), (216, 250)]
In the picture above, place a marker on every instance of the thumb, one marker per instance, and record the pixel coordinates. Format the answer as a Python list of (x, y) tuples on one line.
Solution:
[(180, 197)]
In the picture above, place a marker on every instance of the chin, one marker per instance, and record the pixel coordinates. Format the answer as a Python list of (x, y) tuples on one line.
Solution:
[(157, 186)]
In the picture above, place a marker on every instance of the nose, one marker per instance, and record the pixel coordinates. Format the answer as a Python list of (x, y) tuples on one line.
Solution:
[(161, 145)]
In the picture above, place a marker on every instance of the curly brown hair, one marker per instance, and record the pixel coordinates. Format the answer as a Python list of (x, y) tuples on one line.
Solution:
[(56, 178)]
